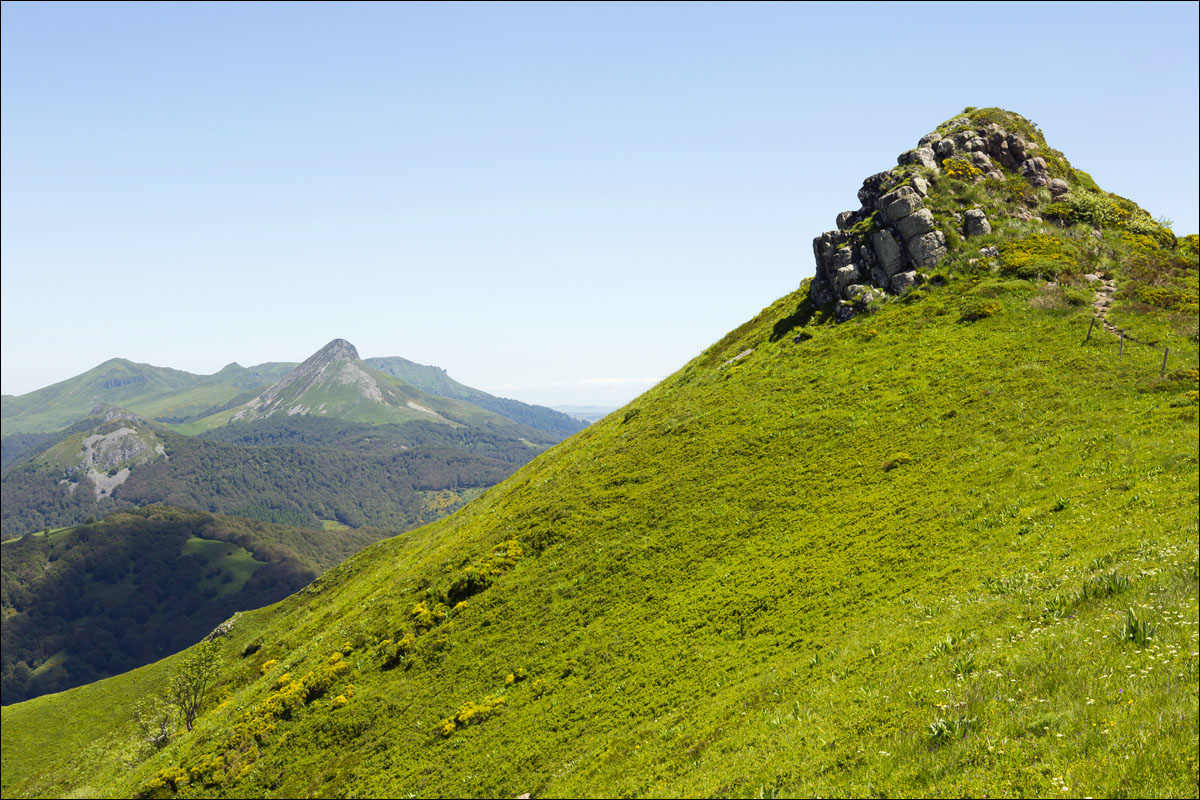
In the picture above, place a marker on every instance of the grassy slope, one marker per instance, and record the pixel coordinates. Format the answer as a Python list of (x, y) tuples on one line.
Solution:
[(854, 519), (152, 392)]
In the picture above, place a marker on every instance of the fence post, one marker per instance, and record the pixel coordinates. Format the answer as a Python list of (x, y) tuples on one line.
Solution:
[(1163, 371), (1090, 326)]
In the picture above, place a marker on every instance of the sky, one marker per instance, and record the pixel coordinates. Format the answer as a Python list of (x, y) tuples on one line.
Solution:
[(559, 203)]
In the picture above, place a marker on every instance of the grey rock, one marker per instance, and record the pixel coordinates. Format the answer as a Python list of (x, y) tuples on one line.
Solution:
[(944, 148), (845, 311), (922, 156), (872, 188), (1034, 169), (994, 175), (975, 144), (916, 224), (927, 250), (901, 282), (900, 203), (920, 185), (1018, 147), (958, 122), (989, 252), (821, 292), (981, 160), (223, 629), (844, 277), (845, 220), (842, 257), (929, 139), (887, 252), (1059, 187), (976, 223)]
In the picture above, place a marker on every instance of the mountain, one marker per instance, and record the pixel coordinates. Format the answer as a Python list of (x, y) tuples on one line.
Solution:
[(182, 399), (295, 471), (86, 602), (929, 537), (334, 383), (434, 380), (152, 392)]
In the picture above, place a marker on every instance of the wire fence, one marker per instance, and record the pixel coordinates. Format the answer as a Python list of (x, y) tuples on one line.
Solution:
[(1170, 358)]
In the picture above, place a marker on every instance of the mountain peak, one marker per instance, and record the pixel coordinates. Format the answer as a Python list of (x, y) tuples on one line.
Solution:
[(337, 350), (939, 204)]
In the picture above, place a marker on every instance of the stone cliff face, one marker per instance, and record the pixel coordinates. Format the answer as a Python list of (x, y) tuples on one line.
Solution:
[(891, 242)]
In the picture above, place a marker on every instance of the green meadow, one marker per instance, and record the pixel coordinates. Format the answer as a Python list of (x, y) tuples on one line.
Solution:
[(910, 554)]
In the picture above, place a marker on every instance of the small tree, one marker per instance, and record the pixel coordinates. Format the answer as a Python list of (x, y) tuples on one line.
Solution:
[(189, 681), (156, 720)]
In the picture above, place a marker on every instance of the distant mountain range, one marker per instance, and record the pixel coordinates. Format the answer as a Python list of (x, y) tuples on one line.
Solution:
[(334, 381), (332, 438)]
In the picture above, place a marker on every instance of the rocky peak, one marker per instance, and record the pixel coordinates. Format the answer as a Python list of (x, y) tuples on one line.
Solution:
[(894, 238), (107, 413), (337, 350)]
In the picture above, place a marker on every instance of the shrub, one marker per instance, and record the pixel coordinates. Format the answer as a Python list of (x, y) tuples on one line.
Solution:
[(961, 168), (470, 713), (1039, 255), (975, 309), (895, 461)]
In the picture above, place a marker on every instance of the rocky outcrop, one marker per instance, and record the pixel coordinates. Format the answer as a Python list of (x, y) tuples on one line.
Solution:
[(887, 245)]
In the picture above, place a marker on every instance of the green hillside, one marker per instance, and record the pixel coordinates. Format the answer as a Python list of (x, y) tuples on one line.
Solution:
[(946, 547), (434, 380), (150, 391), (305, 471), (86, 602)]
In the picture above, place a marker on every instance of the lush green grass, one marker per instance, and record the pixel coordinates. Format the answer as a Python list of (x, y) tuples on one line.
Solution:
[(773, 575), (229, 566)]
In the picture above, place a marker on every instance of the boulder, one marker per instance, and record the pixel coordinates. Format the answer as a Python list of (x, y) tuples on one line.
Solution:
[(981, 160), (887, 252), (901, 282), (929, 139), (944, 148), (845, 311), (927, 250), (1059, 187), (845, 220), (976, 223), (821, 292), (900, 203), (922, 156), (920, 185), (974, 144), (916, 224), (844, 277), (1018, 148), (872, 187), (1034, 170)]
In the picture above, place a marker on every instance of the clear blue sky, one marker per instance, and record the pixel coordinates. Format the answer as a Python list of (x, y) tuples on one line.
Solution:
[(558, 203)]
